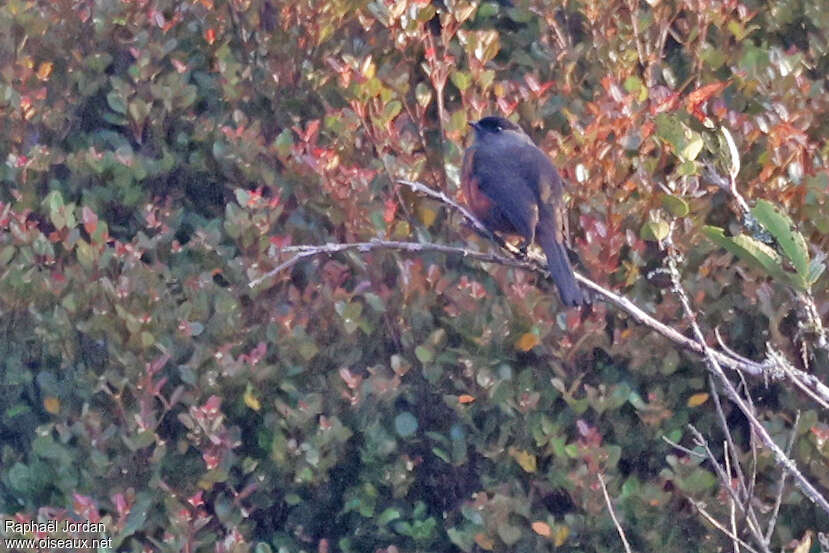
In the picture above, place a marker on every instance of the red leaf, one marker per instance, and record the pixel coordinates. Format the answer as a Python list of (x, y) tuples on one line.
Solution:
[(390, 211), (703, 93), (90, 220)]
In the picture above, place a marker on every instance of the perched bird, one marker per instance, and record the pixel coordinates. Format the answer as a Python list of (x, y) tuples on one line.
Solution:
[(512, 186)]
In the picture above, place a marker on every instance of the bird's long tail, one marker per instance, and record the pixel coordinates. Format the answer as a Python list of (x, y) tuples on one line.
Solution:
[(559, 265)]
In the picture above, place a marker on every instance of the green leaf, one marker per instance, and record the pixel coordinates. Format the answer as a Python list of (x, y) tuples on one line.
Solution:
[(423, 94), (509, 534), (686, 143), (457, 122), (391, 110), (675, 205), (752, 251), (816, 268), (139, 110), (387, 516), (53, 200), (405, 424), (424, 354), (85, 254), (6, 254), (654, 231), (375, 302), (137, 517), (116, 103), (442, 454), (699, 481), (19, 478), (692, 148), (634, 84), (461, 79), (790, 240), (284, 143)]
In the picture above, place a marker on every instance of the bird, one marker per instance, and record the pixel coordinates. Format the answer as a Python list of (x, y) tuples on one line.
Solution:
[(511, 186)]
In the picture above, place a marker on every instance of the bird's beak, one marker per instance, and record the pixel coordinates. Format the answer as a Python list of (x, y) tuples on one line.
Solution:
[(474, 125)]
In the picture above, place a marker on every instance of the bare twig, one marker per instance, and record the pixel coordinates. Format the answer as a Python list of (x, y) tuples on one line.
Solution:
[(303, 251), (438, 78), (778, 367), (715, 367), (733, 171), (613, 515), (634, 20), (536, 263), (440, 196), (720, 527), (779, 499), (731, 504), (750, 367), (808, 384), (741, 479), (684, 449), (725, 479)]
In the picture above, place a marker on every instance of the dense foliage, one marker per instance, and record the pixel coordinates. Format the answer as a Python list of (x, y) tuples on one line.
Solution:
[(159, 154)]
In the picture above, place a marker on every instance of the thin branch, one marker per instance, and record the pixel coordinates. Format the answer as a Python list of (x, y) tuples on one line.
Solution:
[(808, 384), (746, 487), (779, 367), (750, 367), (303, 251), (622, 303), (443, 198), (779, 499), (715, 367), (634, 20), (535, 263), (719, 526), (725, 480), (813, 324), (613, 515), (684, 449), (741, 479), (732, 505)]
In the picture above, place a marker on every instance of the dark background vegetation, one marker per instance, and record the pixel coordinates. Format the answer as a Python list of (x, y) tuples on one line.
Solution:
[(157, 154)]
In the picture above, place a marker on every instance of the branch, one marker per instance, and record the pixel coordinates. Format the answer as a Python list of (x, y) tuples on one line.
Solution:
[(715, 368), (813, 323), (739, 364), (303, 251), (720, 527), (536, 264), (725, 480), (613, 515), (779, 499)]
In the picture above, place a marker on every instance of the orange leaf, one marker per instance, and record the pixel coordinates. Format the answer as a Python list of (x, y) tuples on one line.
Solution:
[(525, 459), (466, 398), (703, 93), (697, 399), (484, 542), (51, 404), (44, 70), (90, 220), (561, 534), (527, 341), (542, 528)]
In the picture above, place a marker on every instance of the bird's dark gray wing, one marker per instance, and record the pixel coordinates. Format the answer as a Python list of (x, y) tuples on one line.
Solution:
[(505, 177)]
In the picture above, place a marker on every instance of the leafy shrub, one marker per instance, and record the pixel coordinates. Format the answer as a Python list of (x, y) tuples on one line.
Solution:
[(158, 155)]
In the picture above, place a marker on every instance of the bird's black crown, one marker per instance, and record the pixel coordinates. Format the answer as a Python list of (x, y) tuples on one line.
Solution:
[(495, 124)]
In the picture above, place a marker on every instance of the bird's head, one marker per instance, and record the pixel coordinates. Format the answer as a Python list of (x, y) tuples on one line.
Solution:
[(494, 127)]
